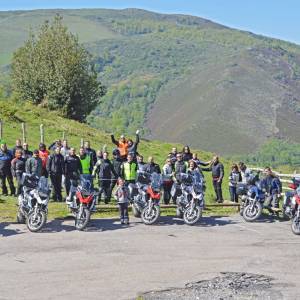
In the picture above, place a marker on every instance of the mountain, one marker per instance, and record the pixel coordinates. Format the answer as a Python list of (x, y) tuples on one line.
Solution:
[(181, 78)]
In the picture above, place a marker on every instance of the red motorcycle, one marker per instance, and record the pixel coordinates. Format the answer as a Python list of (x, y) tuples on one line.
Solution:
[(295, 205), (82, 203), (287, 209)]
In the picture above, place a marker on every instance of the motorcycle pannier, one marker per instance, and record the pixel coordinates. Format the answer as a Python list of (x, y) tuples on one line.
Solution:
[(30, 181)]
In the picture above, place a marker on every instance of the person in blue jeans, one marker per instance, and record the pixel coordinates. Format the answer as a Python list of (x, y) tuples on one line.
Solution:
[(234, 177)]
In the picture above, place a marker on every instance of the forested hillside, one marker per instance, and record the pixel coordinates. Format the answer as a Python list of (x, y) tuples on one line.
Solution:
[(180, 78)]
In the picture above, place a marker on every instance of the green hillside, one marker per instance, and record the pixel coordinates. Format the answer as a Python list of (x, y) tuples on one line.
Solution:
[(13, 114), (181, 78)]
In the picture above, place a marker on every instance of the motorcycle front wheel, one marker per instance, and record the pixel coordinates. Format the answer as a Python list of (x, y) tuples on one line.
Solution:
[(35, 221), (192, 215), (252, 212), (150, 214), (82, 218), (296, 225)]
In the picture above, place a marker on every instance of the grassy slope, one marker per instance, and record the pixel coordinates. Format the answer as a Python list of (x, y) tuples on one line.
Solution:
[(12, 114), (241, 88)]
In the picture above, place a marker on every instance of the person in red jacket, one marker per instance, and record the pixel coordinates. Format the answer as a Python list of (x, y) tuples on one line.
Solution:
[(44, 155)]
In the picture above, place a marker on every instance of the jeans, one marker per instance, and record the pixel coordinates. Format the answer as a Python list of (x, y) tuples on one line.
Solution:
[(167, 185), (123, 208), (105, 188), (9, 178), (218, 190), (56, 182), (19, 185), (233, 194)]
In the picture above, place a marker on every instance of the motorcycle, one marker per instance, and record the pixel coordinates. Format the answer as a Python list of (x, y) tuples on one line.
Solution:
[(252, 206), (33, 202), (242, 190), (295, 212), (287, 210), (82, 201), (189, 197), (146, 196)]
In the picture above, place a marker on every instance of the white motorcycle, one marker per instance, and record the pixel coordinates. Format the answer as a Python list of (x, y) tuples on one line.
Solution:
[(33, 202), (189, 193)]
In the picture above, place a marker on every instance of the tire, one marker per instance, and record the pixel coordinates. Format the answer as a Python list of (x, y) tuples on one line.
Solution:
[(296, 225), (150, 216), (82, 220), (242, 209), (192, 216), (179, 213), (135, 211), (285, 216), (251, 216), (21, 219), (35, 222)]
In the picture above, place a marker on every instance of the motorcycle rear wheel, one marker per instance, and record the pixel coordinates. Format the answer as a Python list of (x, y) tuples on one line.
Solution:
[(150, 215), (35, 222), (135, 211), (250, 214), (192, 215), (179, 213), (21, 219), (296, 225), (82, 218)]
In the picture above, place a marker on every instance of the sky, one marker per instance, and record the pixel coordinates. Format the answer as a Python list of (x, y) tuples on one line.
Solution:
[(274, 18)]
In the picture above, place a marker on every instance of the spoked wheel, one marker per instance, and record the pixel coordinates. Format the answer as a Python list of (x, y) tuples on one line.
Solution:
[(36, 220), (192, 215), (296, 225), (82, 218), (252, 212), (150, 214)]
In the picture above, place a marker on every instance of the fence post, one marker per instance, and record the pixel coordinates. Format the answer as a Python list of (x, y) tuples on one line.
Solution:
[(24, 132), (63, 136), (81, 142), (1, 129), (42, 133)]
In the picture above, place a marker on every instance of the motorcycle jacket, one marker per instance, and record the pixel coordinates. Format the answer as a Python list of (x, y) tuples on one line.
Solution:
[(56, 164), (18, 166), (5, 162)]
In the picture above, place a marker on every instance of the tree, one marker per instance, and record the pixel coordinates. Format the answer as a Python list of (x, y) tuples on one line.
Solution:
[(54, 70)]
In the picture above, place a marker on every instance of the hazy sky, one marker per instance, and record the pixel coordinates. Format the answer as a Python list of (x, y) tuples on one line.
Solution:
[(275, 18)]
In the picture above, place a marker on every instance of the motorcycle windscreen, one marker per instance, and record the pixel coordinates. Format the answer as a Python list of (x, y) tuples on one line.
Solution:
[(43, 186)]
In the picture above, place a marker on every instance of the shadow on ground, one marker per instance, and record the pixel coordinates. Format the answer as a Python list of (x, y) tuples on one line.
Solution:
[(5, 231)]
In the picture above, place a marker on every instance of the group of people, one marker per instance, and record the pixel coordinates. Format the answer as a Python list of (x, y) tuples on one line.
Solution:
[(62, 165), (240, 173)]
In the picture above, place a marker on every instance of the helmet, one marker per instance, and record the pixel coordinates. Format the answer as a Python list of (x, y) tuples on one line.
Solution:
[(116, 152)]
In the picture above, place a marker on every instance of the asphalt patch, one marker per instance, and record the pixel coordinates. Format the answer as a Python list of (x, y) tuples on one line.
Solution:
[(228, 285)]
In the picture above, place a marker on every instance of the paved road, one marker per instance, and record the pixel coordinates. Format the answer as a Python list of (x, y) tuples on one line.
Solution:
[(113, 262)]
